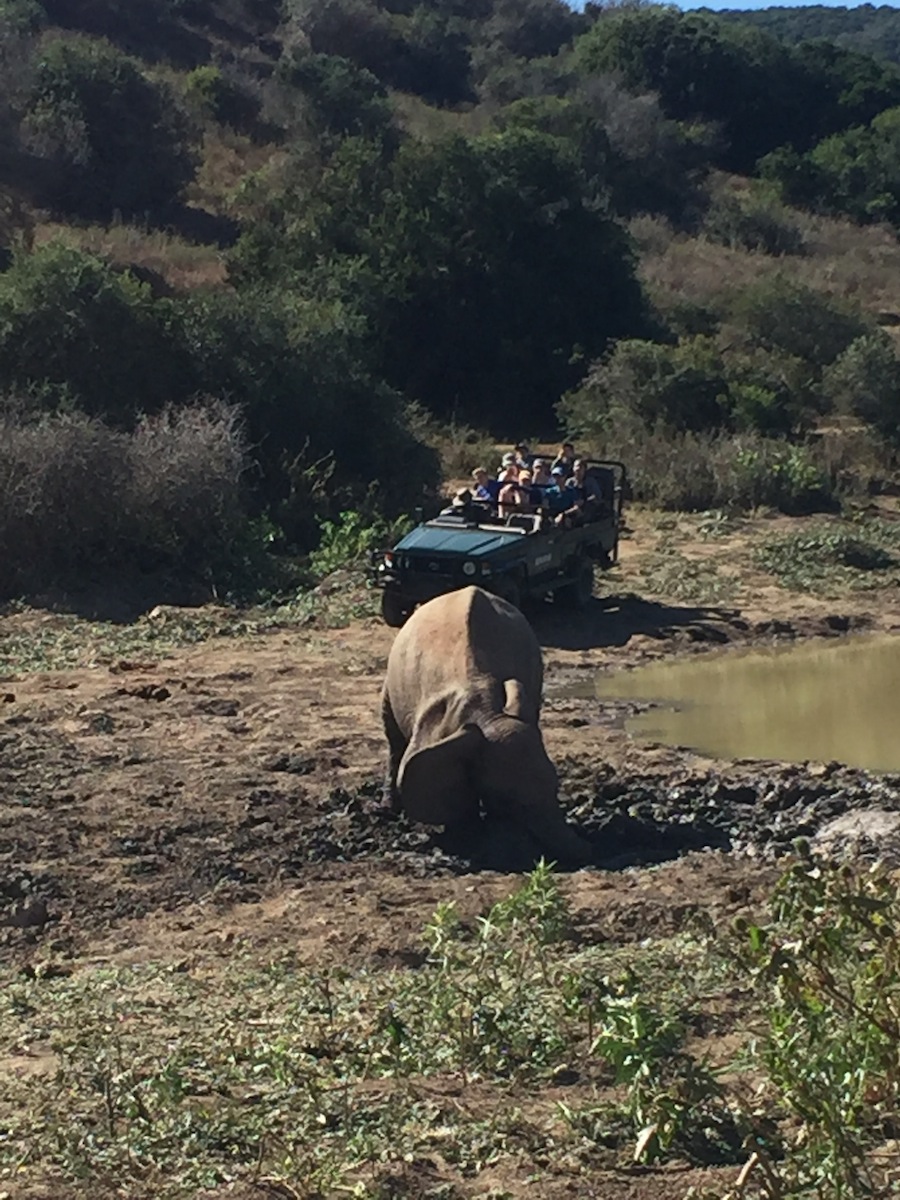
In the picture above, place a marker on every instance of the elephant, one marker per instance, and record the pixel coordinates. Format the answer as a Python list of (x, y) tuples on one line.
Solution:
[(461, 704)]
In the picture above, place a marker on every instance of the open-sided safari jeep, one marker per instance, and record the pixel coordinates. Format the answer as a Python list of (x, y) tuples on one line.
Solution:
[(521, 557)]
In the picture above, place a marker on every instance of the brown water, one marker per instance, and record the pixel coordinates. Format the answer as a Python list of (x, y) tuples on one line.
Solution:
[(821, 701)]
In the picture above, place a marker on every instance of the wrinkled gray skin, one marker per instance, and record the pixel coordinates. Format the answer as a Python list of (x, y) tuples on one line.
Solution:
[(461, 703)]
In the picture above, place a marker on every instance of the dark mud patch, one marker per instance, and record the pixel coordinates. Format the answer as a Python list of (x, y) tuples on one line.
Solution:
[(84, 875)]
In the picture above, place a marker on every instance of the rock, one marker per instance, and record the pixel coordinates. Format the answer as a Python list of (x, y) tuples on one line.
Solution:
[(874, 831)]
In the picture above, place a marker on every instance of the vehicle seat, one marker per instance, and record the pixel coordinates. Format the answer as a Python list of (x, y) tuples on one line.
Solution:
[(606, 479), (522, 521)]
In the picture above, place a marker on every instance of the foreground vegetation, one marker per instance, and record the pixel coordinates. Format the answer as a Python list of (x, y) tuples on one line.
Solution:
[(317, 1082)]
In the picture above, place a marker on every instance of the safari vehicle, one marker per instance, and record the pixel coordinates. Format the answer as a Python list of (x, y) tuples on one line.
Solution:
[(521, 558)]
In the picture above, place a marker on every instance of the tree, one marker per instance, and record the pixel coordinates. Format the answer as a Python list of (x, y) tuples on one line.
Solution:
[(482, 267), (865, 381), (75, 331), (764, 94), (344, 100), (117, 140)]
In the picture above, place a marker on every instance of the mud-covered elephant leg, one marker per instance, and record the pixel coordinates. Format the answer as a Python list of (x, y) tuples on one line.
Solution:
[(397, 744)]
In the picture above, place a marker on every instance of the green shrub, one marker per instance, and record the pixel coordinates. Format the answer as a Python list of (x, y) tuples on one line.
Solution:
[(825, 972), (21, 18), (756, 221), (347, 541), (114, 140), (786, 316), (694, 472), (692, 386), (213, 95), (343, 100), (75, 331), (865, 381)]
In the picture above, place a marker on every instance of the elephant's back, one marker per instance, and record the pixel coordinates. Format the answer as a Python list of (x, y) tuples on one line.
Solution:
[(466, 634)]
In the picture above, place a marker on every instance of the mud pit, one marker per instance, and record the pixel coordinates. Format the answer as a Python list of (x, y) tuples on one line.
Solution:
[(170, 808)]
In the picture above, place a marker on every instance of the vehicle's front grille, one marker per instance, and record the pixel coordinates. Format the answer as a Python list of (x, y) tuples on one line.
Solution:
[(427, 564)]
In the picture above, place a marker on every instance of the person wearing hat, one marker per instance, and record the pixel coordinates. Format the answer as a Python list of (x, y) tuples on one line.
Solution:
[(557, 498), (508, 463)]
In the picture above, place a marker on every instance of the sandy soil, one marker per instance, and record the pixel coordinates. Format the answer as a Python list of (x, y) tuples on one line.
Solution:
[(170, 808)]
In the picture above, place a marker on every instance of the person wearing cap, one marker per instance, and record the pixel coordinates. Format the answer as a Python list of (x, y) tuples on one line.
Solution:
[(508, 463), (556, 498)]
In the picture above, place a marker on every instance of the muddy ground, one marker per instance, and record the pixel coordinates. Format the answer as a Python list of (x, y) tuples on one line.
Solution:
[(162, 807)]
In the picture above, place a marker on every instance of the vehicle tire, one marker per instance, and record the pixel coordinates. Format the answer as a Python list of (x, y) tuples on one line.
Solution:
[(579, 592), (511, 592), (394, 611)]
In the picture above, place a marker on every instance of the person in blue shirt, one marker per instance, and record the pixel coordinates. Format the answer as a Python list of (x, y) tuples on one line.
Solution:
[(485, 488), (556, 497)]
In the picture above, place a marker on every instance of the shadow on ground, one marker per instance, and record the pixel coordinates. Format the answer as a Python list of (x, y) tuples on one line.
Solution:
[(614, 620)]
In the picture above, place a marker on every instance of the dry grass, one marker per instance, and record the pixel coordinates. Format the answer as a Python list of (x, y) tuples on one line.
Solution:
[(76, 495), (855, 263), (420, 120), (228, 159), (181, 264)]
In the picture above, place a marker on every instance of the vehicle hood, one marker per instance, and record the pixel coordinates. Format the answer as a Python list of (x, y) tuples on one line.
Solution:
[(470, 542)]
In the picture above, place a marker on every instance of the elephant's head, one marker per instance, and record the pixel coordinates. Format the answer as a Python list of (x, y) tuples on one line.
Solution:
[(500, 760)]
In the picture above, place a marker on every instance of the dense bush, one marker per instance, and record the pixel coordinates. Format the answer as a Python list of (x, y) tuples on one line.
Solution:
[(856, 172), (691, 386), (116, 140), (694, 472), (303, 380), (482, 265), (78, 497), (74, 331), (764, 94), (783, 315), (632, 155), (343, 100), (214, 94), (754, 221), (865, 381), (21, 17)]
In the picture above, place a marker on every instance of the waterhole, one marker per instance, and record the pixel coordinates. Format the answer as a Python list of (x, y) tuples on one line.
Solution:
[(837, 701)]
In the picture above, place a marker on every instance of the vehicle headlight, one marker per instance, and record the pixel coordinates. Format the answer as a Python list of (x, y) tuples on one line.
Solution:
[(468, 568)]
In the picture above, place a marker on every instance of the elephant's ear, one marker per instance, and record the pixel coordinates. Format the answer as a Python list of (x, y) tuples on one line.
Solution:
[(434, 781), (517, 702)]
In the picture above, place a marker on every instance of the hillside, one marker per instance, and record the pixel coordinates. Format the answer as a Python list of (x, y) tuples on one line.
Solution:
[(867, 28), (354, 230)]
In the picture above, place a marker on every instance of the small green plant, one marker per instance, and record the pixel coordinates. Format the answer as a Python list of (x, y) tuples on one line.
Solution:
[(673, 1103), (780, 475), (839, 555), (346, 541), (827, 971)]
